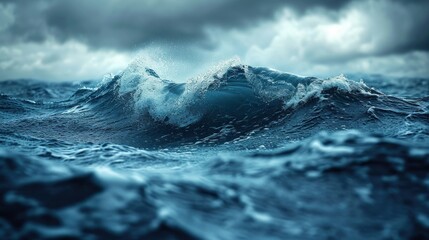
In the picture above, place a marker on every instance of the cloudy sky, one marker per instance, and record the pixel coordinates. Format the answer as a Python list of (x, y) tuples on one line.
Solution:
[(81, 39)]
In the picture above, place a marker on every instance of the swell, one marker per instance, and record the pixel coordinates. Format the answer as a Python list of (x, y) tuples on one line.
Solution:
[(139, 108)]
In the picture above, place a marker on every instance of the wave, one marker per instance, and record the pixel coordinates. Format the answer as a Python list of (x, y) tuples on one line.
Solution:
[(233, 100), (228, 103), (230, 91)]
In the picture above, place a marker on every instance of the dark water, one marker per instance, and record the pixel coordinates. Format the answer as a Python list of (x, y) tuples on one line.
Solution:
[(238, 153)]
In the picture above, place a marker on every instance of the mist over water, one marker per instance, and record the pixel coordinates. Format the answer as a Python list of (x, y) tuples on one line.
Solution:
[(237, 152)]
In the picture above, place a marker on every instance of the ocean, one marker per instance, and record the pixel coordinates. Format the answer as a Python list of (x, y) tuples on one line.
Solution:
[(239, 152)]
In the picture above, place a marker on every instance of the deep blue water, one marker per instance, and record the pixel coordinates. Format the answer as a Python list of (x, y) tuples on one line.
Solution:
[(238, 153)]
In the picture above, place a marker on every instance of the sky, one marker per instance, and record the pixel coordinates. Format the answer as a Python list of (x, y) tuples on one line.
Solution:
[(80, 39)]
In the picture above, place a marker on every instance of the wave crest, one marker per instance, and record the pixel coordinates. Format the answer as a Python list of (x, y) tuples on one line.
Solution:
[(223, 90)]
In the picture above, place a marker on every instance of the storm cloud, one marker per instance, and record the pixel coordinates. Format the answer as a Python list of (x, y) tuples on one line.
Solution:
[(131, 24), (274, 32)]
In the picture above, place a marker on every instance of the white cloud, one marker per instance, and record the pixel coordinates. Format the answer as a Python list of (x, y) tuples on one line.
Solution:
[(406, 64), (54, 61), (358, 38)]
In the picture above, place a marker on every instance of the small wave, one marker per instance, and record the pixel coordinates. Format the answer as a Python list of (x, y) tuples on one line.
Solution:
[(365, 174)]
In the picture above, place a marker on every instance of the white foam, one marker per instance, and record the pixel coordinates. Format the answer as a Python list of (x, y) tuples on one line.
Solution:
[(303, 93), (150, 95)]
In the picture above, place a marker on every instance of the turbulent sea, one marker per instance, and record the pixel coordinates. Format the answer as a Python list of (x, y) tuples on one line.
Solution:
[(239, 152)]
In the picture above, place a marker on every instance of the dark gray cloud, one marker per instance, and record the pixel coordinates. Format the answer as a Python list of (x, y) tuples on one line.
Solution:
[(134, 23)]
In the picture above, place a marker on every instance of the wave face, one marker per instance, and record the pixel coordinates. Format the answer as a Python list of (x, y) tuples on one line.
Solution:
[(239, 152)]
